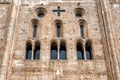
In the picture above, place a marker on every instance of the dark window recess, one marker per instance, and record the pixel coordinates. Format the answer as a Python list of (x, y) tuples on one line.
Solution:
[(37, 52), (58, 30), (29, 51), (34, 31), (63, 55), (54, 54), (78, 14), (88, 53), (88, 49), (80, 54), (41, 14), (82, 31)]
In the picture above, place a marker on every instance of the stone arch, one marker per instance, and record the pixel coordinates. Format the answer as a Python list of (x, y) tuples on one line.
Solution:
[(63, 40), (54, 40), (82, 21), (81, 41), (83, 29), (58, 21), (79, 12), (40, 12)]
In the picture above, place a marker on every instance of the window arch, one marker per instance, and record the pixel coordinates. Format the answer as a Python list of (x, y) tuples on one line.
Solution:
[(88, 48), (82, 28), (59, 28), (37, 51), (80, 51), (41, 12), (28, 50), (35, 27), (54, 51), (79, 12), (63, 51)]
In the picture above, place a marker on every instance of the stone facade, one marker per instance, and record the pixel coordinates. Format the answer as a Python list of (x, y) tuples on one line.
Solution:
[(102, 25)]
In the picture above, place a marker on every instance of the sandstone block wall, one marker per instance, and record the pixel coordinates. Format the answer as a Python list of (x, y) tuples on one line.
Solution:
[(4, 12), (70, 69), (19, 31)]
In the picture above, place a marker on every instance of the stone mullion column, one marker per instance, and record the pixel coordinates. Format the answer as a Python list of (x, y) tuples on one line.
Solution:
[(111, 58), (33, 47), (58, 46), (6, 65), (84, 51)]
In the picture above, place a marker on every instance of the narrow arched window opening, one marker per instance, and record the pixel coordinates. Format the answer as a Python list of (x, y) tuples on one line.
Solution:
[(37, 51), (80, 52), (28, 51), (82, 30), (88, 51), (63, 55), (34, 29), (58, 25), (54, 51)]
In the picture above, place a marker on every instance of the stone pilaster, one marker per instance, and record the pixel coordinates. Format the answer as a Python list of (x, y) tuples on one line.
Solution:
[(9, 43), (108, 40)]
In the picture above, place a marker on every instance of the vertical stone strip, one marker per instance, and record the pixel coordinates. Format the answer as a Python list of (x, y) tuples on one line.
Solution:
[(108, 40), (9, 43)]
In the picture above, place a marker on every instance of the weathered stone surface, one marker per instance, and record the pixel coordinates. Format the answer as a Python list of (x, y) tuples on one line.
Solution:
[(102, 28), (3, 24)]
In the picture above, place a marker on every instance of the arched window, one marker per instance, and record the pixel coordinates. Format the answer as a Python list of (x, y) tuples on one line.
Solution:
[(58, 28), (58, 25), (82, 30), (28, 50), (54, 51), (80, 52), (63, 55), (35, 23), (88, 50), (37, 51)]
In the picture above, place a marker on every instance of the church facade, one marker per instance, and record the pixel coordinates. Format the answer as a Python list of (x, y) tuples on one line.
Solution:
[(59, 40)]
